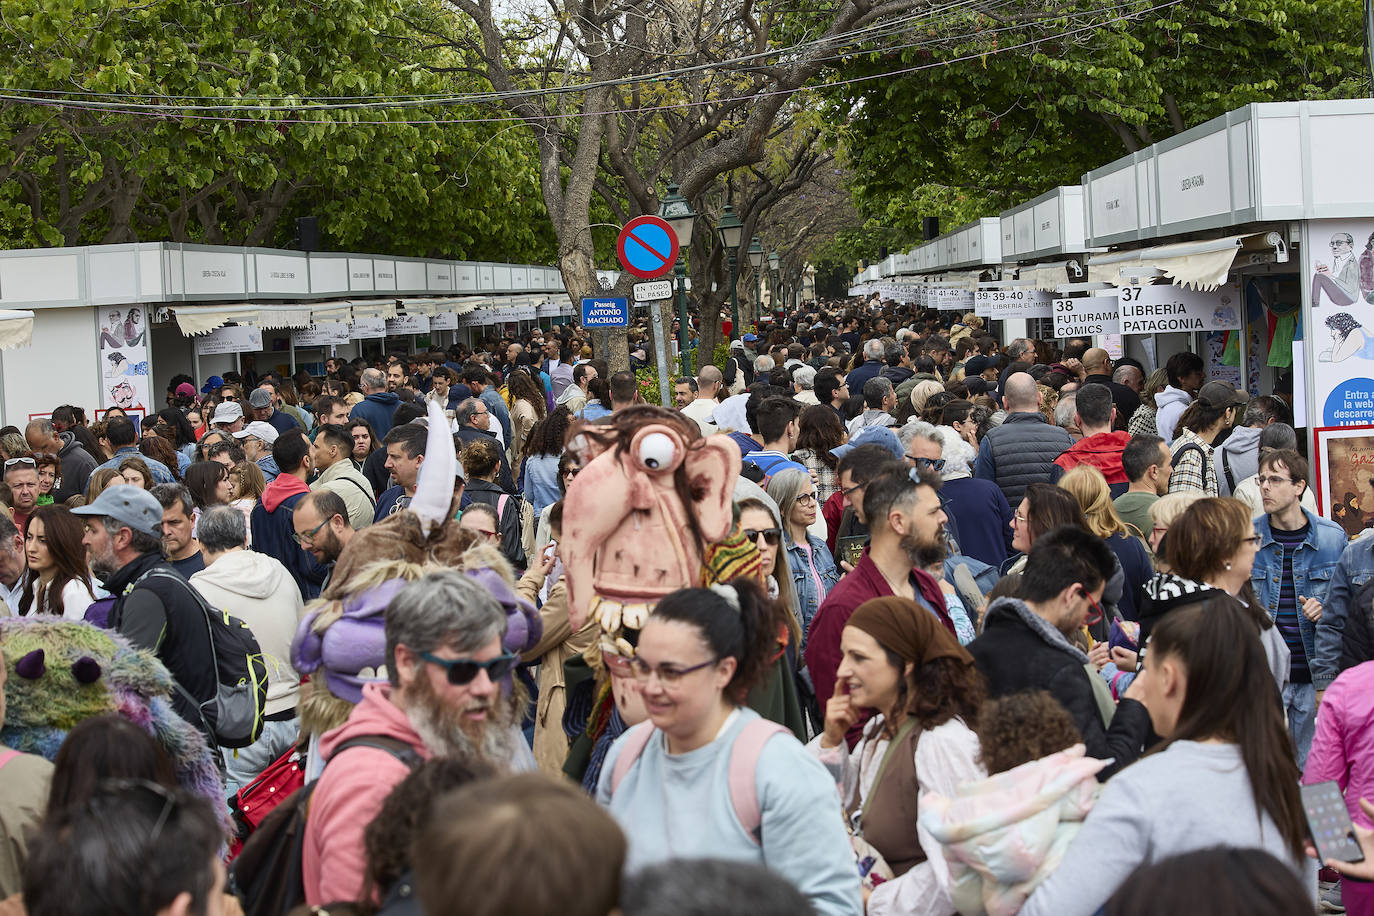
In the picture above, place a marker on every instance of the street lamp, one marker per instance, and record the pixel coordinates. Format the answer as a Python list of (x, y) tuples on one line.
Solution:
[(731, 232), (774, 259), (756, 256), (677, 211)]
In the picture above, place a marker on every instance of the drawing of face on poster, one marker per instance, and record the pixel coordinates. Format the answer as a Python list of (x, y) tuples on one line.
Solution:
[(124, 396), (1338, 268)]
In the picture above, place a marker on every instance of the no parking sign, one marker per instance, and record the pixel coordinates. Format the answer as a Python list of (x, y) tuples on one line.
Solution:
[(647, 247)]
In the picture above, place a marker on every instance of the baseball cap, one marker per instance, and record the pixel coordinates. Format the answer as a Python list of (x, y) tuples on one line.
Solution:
[(258, 430), (976, 365), (227, 412), (128, 505), (185, 390), (872, 435), (260, 398), (750, 338), (1221, 394), (212, 383)]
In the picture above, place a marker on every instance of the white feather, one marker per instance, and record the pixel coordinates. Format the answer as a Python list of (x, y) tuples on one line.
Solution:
[(434, 488)]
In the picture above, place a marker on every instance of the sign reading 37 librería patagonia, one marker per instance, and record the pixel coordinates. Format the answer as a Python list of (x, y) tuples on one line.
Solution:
[(1165, 308)]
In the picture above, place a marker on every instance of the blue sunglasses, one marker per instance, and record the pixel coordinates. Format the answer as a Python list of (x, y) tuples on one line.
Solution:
[(462, 670)]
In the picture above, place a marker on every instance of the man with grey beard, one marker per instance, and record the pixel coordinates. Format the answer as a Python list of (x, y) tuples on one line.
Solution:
[(444, 697)]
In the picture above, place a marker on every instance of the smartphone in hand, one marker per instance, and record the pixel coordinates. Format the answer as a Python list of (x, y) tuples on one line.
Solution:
[(1328, 820)]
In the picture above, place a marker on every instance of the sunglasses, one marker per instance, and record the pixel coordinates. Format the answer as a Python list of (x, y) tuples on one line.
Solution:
[(935, 464), (11, 462), (770, 535), (463, 670)]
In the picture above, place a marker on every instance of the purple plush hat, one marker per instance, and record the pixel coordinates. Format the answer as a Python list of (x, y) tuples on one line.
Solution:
[(352, 650), (524, 626)]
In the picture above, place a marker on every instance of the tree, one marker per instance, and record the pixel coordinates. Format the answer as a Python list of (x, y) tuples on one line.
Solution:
[(138, 150), (1012, 107)]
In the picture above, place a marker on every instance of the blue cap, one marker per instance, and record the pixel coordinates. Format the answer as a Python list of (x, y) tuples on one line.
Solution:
[(211, 384), (872, 435), (750, 337)]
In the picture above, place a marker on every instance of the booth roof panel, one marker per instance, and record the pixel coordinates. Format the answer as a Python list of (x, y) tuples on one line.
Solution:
[(168, 273)]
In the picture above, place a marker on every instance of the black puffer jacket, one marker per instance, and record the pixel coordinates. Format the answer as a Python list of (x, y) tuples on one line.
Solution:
[(1019, 453)]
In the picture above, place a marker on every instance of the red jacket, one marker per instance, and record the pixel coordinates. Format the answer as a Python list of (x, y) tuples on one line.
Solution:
[(1102, 451)]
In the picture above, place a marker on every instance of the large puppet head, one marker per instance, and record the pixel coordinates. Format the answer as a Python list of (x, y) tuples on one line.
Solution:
[(651, 496)]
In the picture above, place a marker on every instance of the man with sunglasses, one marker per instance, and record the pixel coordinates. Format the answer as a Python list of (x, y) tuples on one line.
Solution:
[(1025, 643), (906, 527), (443, 697), (21, 474)]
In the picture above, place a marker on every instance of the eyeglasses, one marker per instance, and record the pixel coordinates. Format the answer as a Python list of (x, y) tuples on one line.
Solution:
[(857, 486), (668, 675), (11, 462), (571, 472), (770, 535), (1019, 519), (1266, 481), (485, 532), (462, 670), (1095, 617), (805, 498), (121, 787), (309, 536), (935, 464)]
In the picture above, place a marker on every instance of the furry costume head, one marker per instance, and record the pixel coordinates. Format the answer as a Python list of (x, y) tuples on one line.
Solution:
[(62, 672)]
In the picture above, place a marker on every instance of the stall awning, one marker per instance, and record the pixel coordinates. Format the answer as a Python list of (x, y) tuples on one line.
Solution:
[(284, 316), (16, 328), (374, 308), (1200, 265)]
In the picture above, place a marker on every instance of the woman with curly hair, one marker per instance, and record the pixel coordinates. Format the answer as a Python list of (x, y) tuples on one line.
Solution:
[(925, 694), (1348, 339), (1143, 420), (543, 447), (527, 407), (820, 432)]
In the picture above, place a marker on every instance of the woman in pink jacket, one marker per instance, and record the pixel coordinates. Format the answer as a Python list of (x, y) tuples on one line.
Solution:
[(1343, 750)]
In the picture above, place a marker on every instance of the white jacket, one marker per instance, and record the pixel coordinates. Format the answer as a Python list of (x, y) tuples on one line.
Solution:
[(258, 590)]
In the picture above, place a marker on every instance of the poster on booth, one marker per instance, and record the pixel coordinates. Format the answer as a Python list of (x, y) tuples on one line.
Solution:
[(1338, 284), (124, 360)]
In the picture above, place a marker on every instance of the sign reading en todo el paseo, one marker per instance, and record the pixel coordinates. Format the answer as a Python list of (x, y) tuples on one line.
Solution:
[(1086, 316)]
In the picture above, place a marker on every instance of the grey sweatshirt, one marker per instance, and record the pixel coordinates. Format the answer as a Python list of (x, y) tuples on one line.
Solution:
[(1190, 797)]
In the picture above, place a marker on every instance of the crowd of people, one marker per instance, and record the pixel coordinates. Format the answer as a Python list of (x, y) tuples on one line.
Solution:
[(882, 615)]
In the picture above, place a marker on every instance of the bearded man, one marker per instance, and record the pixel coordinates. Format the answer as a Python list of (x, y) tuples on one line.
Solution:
[(906, 525), (444, 666)]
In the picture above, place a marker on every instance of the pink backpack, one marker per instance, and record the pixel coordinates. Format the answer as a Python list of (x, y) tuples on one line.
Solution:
[(744, 760)]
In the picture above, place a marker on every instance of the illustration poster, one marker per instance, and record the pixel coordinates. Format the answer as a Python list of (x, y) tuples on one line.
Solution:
[(1338, 281), (124, 372)]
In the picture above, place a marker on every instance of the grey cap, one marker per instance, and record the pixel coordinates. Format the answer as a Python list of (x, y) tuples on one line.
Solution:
[(871, 435), (128, 505), (227, 412), (260, 398)]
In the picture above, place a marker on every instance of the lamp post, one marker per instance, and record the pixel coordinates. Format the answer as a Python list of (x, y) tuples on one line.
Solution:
[(677, 211), (756, 256), (731, 232), (774, 260)]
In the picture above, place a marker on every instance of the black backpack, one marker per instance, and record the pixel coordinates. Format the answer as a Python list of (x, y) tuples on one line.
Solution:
[(267, 875)]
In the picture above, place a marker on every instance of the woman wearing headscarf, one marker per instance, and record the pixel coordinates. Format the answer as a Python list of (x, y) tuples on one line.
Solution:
[(902, 664)]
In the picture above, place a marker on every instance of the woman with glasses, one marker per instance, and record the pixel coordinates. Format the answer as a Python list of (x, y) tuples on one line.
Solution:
[(900, 663), (809, 563), (671, 781), (59, 578), (480, 519), (1213, 545)]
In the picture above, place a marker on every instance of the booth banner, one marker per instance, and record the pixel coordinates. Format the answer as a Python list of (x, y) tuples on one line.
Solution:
[(367, 329), (1001, 304), (1217, 370), (443, 321), (476, 318), (954, 300), (1338, 287), (124, 372), (1165, 308), (325, 334), (1087, 316), (408, 324), (243, 338)]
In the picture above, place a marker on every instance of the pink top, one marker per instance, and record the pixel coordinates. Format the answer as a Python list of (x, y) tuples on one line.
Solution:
[(1343, 746), (811, 562)]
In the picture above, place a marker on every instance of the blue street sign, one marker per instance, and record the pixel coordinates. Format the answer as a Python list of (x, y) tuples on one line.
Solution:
[(605, 313)]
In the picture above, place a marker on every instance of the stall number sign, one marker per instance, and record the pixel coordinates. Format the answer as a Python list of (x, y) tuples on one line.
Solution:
[(1012, 303), (1164, 308), (1086, 316), (950, 300)]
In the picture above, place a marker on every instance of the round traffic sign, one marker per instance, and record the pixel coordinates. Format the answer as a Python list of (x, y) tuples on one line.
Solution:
[(647, 247)]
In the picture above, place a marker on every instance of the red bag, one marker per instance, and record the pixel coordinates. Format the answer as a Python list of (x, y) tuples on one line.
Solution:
[(256, 800)]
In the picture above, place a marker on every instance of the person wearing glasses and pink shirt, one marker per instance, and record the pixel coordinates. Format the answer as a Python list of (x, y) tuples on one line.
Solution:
[(1027, 643)]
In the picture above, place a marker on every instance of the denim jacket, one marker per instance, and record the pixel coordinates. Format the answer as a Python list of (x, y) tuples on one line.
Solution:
[(1314, 560), (1353, 570), (804, 585)]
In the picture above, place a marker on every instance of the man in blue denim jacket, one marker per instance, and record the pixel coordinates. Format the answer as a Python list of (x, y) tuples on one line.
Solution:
[(1291, 575)]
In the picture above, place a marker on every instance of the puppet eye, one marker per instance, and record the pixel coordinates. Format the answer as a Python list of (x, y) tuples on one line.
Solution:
[(657, 451)]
